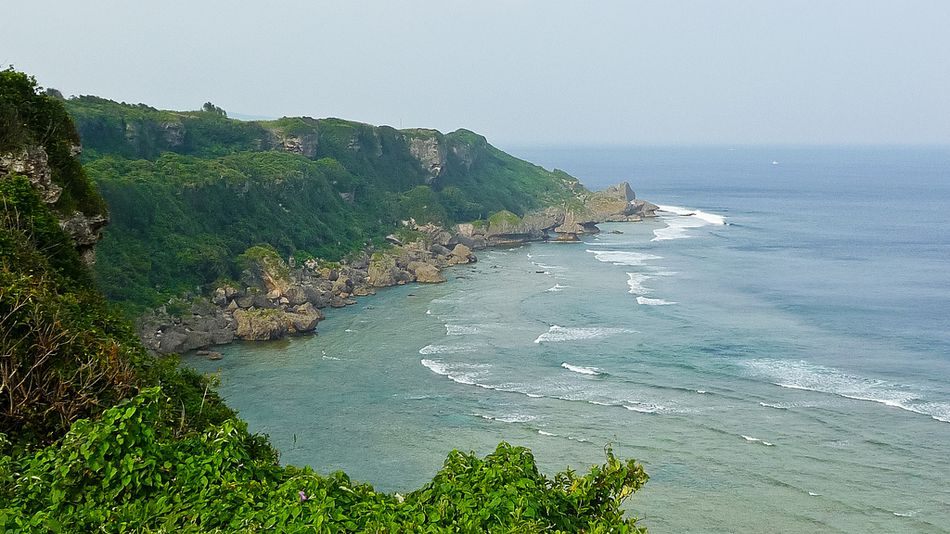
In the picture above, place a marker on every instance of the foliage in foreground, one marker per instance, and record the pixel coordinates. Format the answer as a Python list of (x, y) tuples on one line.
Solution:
[(124, 472)]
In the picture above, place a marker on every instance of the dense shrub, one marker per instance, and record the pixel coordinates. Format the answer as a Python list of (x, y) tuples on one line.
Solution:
[(126, 472)]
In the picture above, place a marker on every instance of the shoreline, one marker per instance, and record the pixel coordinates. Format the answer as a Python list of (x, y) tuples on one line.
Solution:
[(275, 298)]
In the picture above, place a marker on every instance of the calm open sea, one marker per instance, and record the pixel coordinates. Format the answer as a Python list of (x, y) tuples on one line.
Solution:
[(775, 348)]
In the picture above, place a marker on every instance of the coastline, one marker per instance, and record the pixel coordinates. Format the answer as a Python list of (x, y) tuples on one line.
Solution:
[(277, 298)]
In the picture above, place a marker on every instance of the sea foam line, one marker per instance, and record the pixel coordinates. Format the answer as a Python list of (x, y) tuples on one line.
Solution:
[(446, 349), (676, 227), (471, 374), (560, 333), (635, 283), (805, 376), (709, 218), (622, 257), (757, 440), (644, 301), (590, 371)]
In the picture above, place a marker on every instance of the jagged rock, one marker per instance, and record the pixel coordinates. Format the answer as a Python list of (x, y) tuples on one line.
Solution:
[(425, 146), (393, 240), (426, 273), (304, 318), (295, 295), (86, 231), (244, 301), (219, 298), (461, 254), (33, 162), (567, 237), (260, 325), (644, 208), (441, 250), (363, 291), (173, 133), (382, 270)]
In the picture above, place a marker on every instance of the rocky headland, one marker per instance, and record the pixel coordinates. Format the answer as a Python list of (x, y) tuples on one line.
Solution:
[(276, 298)]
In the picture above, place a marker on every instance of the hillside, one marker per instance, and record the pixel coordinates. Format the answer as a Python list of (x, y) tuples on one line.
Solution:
[(191, 191), (97, 435)]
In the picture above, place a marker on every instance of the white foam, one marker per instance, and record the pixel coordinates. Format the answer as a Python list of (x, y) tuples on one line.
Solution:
[(446, 349), (559, 333), (776, 406), (621, 257), (543, 433), (428, 312), (912, 513), (676, 227), (709, 218), (460, 329), (750, 439), (635, 283), (653, 302), (805, 376), (814, 494), (642, 408), (511, 418), (593, 371), (325, 357), (701, 391), (545, 267), (462, 373), (557, 288)]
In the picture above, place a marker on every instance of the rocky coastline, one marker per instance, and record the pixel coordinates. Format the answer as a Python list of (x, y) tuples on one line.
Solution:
[(276, 298)]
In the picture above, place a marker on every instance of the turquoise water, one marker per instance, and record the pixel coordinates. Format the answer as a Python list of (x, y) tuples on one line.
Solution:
[(787, 371)]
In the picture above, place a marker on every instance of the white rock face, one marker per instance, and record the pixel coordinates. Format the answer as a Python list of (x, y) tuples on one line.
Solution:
[(430, 153), (33, 162)]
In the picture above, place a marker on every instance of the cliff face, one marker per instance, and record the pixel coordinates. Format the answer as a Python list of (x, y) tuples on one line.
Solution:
[(179, 184), (39, 141)]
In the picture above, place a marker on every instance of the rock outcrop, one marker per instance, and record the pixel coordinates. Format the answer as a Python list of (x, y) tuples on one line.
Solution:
[(427, 148), (277, 300), (33, 162)]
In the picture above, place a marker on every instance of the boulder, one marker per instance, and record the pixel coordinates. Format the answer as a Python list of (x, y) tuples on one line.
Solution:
[(441, 250), (461, 254), (382, 270), (426, 273), (260, 325)]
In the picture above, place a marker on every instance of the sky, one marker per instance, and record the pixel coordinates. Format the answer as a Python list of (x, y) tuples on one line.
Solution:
[(545, 72)]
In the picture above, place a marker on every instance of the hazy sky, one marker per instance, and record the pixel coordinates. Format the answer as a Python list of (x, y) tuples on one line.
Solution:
[(520, 72)]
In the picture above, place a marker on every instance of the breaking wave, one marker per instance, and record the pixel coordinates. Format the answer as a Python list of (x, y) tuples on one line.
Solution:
[(560, 333), (592, 371), (621, 257), (644, 301), (811, 377)]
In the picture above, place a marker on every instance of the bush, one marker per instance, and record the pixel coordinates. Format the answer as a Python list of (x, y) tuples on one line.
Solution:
[(125, 471)]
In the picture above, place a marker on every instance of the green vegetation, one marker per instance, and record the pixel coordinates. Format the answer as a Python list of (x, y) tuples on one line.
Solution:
[(190, 191), (126, 472), (97, 435)]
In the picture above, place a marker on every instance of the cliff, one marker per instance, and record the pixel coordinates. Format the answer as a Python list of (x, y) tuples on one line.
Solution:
[(191, 191), (96, 435)]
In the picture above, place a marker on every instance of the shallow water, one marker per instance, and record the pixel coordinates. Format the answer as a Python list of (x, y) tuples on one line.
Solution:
[(787, 370)]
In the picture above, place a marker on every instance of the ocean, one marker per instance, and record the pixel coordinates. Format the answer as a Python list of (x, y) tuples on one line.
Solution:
[(774, 348)]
